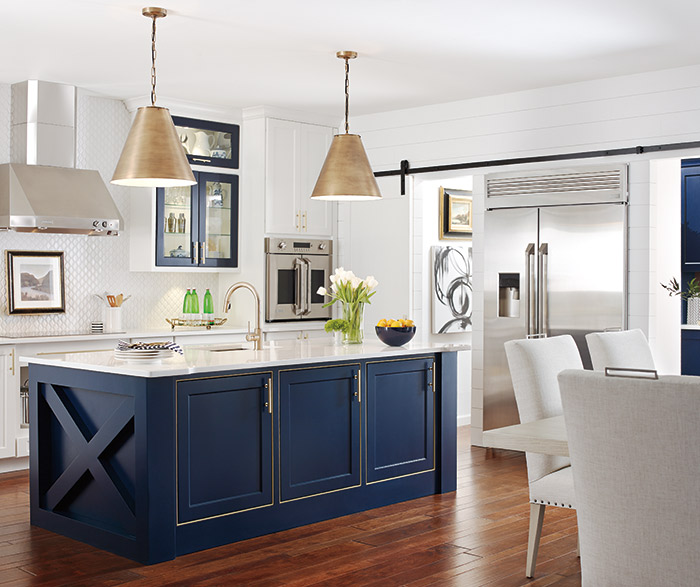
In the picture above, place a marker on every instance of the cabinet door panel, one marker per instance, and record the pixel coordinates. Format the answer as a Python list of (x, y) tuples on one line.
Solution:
[(224, 440), (176, 226), (690, 218), (209, 143), (9, 394), (282, 213), (400, 418), (690, 352), (218, 219), (317, 216), (319, 431)]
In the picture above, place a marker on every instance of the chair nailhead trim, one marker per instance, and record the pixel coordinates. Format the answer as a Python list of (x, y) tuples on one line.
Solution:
[(560, 505)]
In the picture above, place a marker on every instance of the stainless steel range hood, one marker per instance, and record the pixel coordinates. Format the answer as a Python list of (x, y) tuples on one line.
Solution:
[(41, 191)]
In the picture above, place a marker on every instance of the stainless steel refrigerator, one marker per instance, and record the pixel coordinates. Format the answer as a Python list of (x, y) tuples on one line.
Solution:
[(555, 262)]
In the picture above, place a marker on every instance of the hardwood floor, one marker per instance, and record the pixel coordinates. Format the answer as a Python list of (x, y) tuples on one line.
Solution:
[(473, 537)]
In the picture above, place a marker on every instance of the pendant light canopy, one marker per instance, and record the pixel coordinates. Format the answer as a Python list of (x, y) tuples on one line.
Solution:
[(346, 174), (153, 155)]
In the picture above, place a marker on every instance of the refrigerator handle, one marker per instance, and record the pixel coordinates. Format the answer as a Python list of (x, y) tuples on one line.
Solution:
[(530, 287), (543, 257)]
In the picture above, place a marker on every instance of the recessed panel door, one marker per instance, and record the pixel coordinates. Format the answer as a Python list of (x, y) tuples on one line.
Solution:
[(400, 418), (224, 443), (319, 430)]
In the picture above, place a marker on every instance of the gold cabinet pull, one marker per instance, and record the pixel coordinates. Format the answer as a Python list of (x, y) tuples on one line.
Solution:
[(298, 222), (268, 403), (303, 217), (358, 394), (12, 361)]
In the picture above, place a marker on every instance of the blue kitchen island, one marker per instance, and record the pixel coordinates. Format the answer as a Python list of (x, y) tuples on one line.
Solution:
[(152, 461)]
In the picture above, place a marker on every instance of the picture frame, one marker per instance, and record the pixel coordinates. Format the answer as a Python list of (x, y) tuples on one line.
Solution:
[(35, 282), (455, 214)]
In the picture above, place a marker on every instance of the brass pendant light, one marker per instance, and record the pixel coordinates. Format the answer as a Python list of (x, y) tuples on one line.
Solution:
[(346, 174), (153, 155)]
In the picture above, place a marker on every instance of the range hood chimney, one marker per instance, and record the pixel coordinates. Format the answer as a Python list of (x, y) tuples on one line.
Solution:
[(41, 191)]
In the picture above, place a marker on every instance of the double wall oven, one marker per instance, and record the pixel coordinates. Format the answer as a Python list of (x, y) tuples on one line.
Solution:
[(295, 270)]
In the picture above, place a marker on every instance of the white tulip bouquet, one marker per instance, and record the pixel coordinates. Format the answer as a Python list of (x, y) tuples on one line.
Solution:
[(353, 292), (348, 288)]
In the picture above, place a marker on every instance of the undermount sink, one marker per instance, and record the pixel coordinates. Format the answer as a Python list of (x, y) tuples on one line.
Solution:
[(227, 349)]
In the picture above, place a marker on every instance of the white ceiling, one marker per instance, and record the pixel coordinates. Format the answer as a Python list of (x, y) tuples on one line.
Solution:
[(282, 52)]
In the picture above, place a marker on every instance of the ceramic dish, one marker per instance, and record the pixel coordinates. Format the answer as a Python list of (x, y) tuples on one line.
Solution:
[(395, 336)]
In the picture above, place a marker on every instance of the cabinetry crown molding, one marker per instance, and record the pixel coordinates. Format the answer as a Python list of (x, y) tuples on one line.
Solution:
[(189, 109), (292, 115)]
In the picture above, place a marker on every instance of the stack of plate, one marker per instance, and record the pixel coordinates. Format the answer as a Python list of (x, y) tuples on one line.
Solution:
[(143, 355)]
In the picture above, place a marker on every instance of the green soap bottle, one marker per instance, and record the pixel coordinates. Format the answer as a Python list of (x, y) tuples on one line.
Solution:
[(195, 303), (208, 304), (187, 305)]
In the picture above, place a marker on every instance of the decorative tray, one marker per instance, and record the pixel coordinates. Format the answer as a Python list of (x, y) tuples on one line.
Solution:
[(208, 323)]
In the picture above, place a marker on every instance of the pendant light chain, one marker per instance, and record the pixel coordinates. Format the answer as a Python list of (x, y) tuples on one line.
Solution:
[(153, 62), (347, 94)]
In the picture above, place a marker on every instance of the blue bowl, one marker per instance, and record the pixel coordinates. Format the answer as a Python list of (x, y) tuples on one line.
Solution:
[(395, 336)]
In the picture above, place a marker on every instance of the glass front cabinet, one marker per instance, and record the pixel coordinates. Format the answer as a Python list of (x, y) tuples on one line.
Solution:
[(197, 226)]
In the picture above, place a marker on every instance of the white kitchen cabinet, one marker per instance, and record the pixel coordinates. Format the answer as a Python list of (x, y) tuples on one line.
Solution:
[(295, 152), (9, 402)]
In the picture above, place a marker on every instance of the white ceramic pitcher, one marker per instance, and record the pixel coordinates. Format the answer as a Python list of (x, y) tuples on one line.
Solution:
[(202, 144)]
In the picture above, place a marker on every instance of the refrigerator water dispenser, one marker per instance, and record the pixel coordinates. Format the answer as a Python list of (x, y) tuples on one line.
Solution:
[(508, 295)]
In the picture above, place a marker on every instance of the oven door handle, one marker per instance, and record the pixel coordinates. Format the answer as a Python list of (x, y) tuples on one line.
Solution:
[(299, 303), (307, 286)]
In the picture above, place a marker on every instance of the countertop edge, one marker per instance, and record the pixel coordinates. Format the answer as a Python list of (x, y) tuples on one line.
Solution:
[(290, 354)]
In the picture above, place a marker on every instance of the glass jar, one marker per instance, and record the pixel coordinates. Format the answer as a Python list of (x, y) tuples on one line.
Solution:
[(353, 313)]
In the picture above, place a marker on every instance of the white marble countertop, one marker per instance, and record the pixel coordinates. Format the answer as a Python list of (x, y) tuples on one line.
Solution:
[(164, 332), (206, 358)]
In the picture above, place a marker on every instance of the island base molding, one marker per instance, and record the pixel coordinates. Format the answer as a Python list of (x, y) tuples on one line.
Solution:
[(153, 468)]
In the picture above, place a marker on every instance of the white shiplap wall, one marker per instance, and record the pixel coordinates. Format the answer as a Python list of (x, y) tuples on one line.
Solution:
[(643, 109)]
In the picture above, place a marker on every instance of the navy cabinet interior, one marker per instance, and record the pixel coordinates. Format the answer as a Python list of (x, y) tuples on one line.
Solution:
[(208, 213), (214, 144), (690, 215), (400, 418), (319, 430), (224, 444)]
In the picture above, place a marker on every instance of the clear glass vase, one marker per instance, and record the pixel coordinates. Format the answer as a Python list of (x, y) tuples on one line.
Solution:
[(354, 314)]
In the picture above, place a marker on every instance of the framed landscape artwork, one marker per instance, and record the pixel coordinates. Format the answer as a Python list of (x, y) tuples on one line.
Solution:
[(35, 282), (455, 214)]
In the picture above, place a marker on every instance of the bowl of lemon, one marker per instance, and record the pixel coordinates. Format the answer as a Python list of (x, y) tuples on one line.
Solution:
[(395, 332)]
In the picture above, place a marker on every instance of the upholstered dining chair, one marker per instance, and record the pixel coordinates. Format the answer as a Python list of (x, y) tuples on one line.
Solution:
[(635, 453), (627, 349), (534, 365)]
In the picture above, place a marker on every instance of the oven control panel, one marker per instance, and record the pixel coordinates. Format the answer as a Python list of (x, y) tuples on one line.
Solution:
[(294, 246)]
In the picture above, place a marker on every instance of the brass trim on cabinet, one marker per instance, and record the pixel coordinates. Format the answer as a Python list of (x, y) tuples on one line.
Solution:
[(430, 358), (279, 434), (177, 453)]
